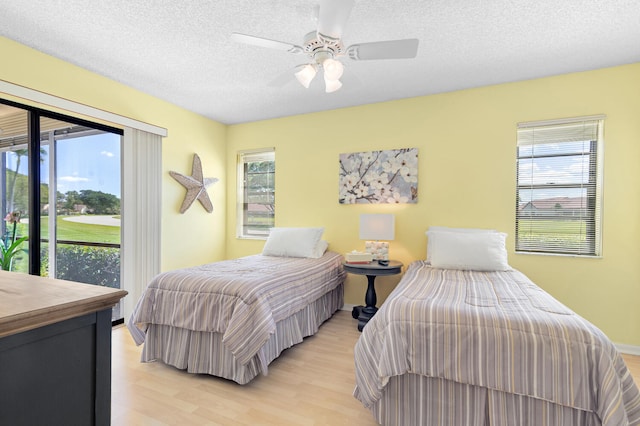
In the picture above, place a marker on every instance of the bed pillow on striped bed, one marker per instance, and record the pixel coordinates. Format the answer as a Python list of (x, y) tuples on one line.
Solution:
[(320, 248), (477, 251), (293, 242), (456, 230)]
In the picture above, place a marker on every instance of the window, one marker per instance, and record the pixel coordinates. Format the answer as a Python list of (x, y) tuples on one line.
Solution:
[(559, 194), (141, 169), (60, 194), (256, 193), (81, 170)]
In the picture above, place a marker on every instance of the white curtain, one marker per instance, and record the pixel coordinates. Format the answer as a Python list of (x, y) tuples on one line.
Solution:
[(142, 212)]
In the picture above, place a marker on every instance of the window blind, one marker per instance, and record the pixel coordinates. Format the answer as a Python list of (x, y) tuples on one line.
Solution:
[(142, 213), (559, 191), (256, 193), (256, 156)]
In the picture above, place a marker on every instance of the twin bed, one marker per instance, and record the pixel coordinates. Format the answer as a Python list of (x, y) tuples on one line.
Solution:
[(466, 340), (232, 318), (462, 340)]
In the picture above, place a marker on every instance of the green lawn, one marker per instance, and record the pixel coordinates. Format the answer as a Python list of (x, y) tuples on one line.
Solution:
[(555, 227), (553, 235), (75, 231), (67, 230)]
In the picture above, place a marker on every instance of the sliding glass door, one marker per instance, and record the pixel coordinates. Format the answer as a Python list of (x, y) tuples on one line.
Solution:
[(80, 223), (62, 188)]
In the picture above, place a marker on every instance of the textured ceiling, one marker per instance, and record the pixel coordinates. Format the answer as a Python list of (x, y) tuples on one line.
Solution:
[(182, 52)]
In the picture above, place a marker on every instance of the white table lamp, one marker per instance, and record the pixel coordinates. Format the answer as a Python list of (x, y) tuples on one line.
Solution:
[(376, 230)]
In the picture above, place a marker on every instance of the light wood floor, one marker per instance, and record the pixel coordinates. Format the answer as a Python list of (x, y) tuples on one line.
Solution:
[(310, 384)]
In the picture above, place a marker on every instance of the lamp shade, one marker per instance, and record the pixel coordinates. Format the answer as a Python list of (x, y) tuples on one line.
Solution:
[(332, 85), (305, 75), (332, 69), (377, 227)]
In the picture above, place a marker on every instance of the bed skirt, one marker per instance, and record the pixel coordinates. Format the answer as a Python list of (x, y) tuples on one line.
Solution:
[(204, 353), (412, 399)]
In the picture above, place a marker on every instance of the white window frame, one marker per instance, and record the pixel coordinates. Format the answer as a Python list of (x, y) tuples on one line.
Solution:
[(555, 161), (243, 229)]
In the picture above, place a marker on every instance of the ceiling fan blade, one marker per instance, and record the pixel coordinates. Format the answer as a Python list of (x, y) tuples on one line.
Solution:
[(333, 16), (265, 42), (390, 49)]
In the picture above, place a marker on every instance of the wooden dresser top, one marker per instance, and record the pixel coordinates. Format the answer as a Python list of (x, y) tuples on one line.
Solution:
[(28, 301)]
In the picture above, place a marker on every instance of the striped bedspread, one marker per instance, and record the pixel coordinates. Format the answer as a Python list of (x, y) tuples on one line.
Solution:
[(495, 330), (242, 299)]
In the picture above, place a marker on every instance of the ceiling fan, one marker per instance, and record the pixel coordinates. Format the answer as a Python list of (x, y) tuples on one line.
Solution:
[(324, 46)]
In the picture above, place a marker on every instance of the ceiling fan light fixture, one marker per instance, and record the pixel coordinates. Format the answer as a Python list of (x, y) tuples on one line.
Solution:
[(306, 75), (333, 69), (324, 46), (331, 86)]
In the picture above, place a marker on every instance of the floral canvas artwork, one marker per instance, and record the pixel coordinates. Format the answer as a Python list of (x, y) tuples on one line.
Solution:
[(379, 177)]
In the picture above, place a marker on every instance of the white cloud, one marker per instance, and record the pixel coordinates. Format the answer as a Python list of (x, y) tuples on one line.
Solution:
[(73, 179), (107, 153)]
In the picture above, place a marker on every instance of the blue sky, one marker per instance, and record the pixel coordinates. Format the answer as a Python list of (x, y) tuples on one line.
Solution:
[(91, 162)]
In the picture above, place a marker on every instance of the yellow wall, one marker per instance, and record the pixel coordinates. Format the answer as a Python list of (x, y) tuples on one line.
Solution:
[(466, 144), (191, 238)]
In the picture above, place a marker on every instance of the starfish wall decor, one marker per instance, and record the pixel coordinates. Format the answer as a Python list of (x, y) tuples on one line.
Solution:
[(196, 186)]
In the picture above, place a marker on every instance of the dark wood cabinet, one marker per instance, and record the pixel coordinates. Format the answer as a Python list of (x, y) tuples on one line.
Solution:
[(55, 351)]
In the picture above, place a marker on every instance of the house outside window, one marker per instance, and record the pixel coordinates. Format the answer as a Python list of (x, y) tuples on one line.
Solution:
[(256, 193), (559, 187)]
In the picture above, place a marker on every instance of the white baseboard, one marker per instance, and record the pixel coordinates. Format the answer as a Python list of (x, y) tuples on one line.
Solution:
[(347, 307), (628, 349)]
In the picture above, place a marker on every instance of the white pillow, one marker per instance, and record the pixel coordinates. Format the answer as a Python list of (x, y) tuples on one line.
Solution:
[(446, 229), (477, 251), (292, 242), (459, 230), (319, 249)]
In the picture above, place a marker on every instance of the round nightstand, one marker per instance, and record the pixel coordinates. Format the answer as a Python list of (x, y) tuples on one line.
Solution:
[(372, 270)]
